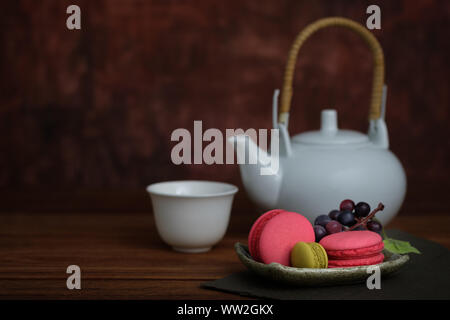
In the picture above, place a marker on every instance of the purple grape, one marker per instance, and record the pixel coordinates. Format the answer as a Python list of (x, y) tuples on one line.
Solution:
[(347, 218), (322, 220), (333, 227), (359, 228), (320, 232), (334, 214), (374, 226), (347, 205), (362, 209)]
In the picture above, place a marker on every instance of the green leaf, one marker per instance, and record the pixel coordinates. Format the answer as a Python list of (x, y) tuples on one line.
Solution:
[(399, 247)]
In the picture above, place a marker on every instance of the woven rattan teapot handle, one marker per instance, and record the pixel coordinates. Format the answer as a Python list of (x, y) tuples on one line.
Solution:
[(378, 58)]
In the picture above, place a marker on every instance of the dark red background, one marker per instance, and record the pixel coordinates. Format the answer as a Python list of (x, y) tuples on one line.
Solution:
[(86, 116)]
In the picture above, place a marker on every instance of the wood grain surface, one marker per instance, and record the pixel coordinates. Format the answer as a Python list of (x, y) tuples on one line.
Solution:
[(122, 257)]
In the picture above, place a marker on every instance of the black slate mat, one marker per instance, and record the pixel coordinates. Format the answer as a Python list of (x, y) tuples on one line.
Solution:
[(426, 276)]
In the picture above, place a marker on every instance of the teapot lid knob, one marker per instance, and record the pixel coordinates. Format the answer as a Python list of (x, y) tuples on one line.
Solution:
[(328, 125), (329, 134)]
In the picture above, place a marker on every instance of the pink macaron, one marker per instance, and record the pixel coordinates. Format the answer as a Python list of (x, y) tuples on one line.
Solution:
[(353, 248), (274, 234)]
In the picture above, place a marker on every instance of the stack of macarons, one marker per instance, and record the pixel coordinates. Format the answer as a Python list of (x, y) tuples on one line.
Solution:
[(353, 248), (288, 238)]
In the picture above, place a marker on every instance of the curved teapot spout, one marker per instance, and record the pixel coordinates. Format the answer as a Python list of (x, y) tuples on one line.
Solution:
[(260, 171)]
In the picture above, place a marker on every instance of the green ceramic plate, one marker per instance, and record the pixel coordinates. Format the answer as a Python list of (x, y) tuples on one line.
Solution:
[(318, 277)]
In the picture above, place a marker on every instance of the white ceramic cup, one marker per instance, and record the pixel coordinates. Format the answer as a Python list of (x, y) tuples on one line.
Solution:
[(192, 215)]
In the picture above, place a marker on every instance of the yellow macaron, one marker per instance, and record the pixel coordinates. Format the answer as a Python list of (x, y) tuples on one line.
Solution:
[(308, 255)]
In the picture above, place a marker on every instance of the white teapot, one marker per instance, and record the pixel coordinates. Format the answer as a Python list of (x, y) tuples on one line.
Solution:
[(319, 169)]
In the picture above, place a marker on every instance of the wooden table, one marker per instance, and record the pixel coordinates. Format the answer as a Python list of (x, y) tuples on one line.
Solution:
[(122, 257)]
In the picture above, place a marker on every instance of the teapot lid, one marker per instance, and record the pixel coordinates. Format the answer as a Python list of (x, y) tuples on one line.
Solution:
[(329, 133)]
